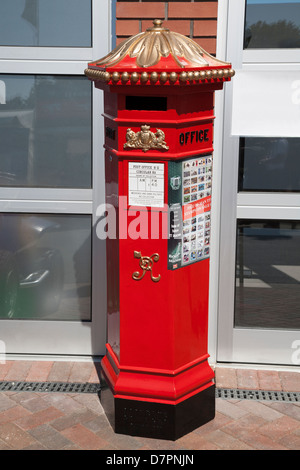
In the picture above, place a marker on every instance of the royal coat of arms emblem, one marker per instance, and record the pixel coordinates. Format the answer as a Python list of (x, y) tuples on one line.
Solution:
[(145, 139)]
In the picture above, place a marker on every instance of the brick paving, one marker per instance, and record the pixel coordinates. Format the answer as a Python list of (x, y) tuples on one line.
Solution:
[(73, 421)]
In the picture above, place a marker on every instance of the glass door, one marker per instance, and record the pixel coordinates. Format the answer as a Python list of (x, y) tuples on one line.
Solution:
[(52, 275), (259, 299)]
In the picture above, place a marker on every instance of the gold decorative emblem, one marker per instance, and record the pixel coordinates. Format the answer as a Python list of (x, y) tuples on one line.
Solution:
[(145, 139), (146, 263)]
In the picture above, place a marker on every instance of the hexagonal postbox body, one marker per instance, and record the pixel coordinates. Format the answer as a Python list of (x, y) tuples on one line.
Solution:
[(158, 113)]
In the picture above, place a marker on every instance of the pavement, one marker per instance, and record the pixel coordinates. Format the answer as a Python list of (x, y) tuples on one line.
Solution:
[(49, 420)]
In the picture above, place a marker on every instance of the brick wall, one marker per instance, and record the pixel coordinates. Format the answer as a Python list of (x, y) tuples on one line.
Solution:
[(196, 19)]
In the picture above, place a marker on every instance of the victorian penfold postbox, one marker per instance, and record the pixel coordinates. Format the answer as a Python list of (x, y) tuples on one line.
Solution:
[(158, 116)]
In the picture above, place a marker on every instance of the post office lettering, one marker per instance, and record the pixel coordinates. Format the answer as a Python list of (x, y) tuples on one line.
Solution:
[(194, 136)]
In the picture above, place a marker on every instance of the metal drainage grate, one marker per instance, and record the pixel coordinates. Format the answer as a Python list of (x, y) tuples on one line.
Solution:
[(66, 387), (228, 393), (63, 387)]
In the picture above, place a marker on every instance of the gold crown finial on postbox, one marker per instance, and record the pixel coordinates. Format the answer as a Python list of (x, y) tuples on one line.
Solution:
[(157, 23), (159, 56)]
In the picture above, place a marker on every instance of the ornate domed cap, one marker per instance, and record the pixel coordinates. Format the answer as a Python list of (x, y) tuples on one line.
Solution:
[(158, 55)]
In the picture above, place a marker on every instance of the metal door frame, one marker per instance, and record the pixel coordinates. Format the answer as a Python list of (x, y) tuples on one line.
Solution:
[(65, 338), (236, 345)]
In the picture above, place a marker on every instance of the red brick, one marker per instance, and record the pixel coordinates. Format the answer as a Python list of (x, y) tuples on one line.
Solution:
[(230, 409), (290, 381), (225, 377), (84, 438), (225, 441), (64, 403), (81, 372), (260, 409), (6, 401), (95, 374), (195, 442), (20, 397), (193, 10), (140, 10), (269, 380), (208, 44), (3, 446), (14, 437), (4, 368), (239, 427), (247, 379), (127, 27), (119, 40), (90, 401), (205, 28), (60, 371), (291, 441), (13, 413), (260, 442), (179, 26), (287, 408), (70, 419), (49, 438), (220, 421), (38, 418), (18, 370), (39, 371), (34, 404), (279, 428)]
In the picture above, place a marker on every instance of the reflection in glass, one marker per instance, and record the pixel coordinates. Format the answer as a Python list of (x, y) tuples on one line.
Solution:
[(268, 274), (48, 23), (45, 267), (45, 131), (269, 164), (272, 24)]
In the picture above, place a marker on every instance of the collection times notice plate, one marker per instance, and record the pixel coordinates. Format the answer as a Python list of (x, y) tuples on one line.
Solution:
[(146, 184)]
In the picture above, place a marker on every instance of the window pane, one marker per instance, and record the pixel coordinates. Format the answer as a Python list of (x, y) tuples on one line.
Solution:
[(268, 274), (269, 164), (53, 23), (45, 131), (45, 267), (272, 24)]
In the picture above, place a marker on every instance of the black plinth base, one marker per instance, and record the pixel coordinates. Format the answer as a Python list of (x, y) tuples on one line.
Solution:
[(157, 420)]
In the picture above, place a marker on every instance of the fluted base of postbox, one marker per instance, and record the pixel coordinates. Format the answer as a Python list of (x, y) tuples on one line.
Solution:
[(154, 419)]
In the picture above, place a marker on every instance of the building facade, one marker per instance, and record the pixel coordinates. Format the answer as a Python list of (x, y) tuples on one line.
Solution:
[(52, 260)]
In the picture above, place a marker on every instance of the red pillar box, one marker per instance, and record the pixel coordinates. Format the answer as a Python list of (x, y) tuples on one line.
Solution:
[(158, 113)]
